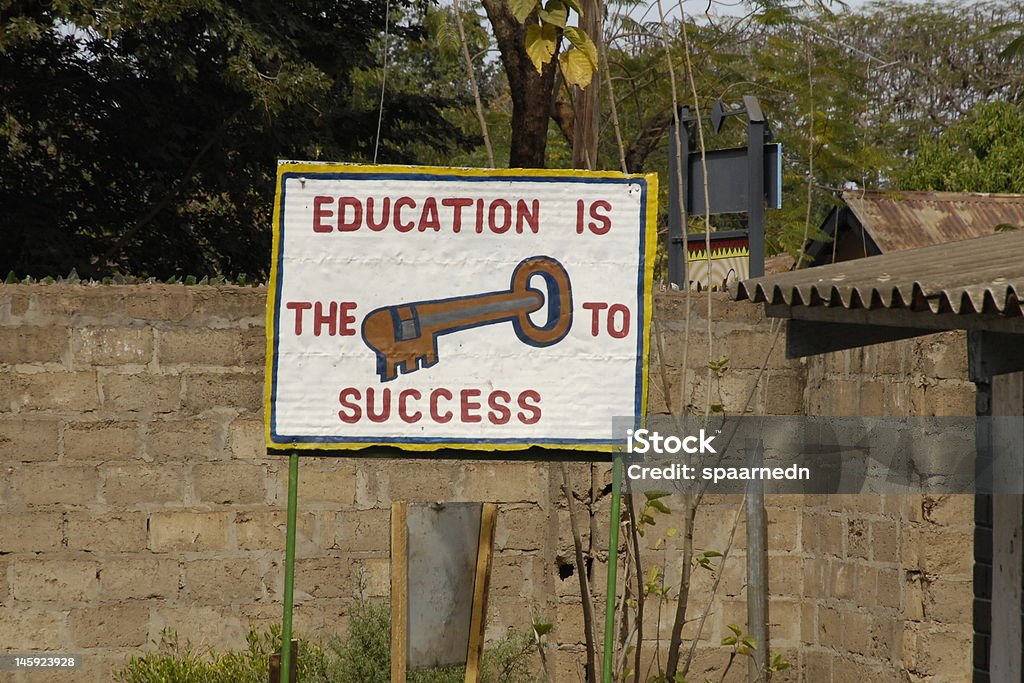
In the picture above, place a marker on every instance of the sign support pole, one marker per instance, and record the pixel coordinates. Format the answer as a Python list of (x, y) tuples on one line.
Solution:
[(289, 568), (613, 565)]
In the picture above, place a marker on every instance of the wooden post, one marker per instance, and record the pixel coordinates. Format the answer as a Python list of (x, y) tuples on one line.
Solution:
[(275, 665), (757, 567), (1006, 656), (399, 592), (478, 622)]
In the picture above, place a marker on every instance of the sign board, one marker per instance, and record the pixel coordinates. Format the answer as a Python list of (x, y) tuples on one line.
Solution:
[(728, 189), (427, 308), (729, 260)]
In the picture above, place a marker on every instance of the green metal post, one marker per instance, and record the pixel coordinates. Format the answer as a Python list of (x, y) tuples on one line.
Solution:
[(613, 565), (289, 568)]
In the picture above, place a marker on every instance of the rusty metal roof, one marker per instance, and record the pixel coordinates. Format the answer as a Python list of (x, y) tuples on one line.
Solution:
[(909, 220), (984, 275)]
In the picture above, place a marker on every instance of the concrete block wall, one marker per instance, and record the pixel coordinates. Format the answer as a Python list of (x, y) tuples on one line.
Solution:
[(137, 496)]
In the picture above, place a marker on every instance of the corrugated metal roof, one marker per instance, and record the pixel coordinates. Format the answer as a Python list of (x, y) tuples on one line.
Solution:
[(910, 220), (984, 275)]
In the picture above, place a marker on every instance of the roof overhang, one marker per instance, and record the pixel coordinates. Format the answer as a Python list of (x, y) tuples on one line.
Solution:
[(975, 285)]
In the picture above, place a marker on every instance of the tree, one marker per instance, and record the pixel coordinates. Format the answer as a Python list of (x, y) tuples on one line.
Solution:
[(981, 153), (141, 136)]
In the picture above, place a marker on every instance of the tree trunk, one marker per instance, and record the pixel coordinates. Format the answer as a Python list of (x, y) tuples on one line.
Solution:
[(584, 144), (531, 91)]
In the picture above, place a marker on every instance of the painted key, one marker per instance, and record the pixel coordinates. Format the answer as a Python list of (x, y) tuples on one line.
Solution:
[(404, 336)]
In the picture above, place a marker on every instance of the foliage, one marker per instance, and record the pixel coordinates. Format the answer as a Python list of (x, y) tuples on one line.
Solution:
[(361, 656), (848, 92), (142, 137), (981, 153), (547, 23), (174, 662)]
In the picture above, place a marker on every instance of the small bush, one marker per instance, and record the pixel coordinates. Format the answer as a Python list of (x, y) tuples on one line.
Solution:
[(363, 655), (177, 663)]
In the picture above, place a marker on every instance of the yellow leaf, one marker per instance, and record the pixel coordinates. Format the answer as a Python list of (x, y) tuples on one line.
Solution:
[(540, 45), (554, 12), (521, 8), (579, 39), (576, 67)]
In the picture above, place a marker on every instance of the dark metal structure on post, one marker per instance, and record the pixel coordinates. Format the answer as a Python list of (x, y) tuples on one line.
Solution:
[(739, 180)]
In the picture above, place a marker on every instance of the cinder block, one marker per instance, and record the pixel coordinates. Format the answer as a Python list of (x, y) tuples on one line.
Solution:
[(222, 347), (159, 302), (321, 481), (110, 626), (946, 553), (223, 581), (62, 581), (785, 575), (206, 627), (360, 531), (265, 530), (817, 665), (956, 400), (885, 542), (238, 390), (750, 349), (141, 484), (7, 396), (889, 588), (944, 654), (858, 543), (784, 394), (503, 482), (784, 622), (860, 634), (142, 392), (951, 510), (830, 632), (31, 532), (817, 578), (335, 577), (949, 601), (136, 577), (71, 301), (106, 532), (107, 440), (25, 440), (230, 483), (70, 391), (246, 440), (28, 628), (188, 439), (46, 484), (189, 531), (229, 306), (28, 344), (105, 346), (944, 356), (522, 526)]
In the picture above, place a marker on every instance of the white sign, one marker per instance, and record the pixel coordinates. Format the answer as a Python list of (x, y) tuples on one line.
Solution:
[(437, 307)]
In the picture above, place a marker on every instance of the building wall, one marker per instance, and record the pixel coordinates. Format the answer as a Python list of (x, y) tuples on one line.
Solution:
[(136, 495)]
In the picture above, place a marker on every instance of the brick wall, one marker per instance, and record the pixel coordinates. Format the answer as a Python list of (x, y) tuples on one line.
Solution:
[(136, 494)]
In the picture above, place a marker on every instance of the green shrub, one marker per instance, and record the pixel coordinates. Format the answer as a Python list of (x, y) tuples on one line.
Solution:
[(361, 656), (177, 663)]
